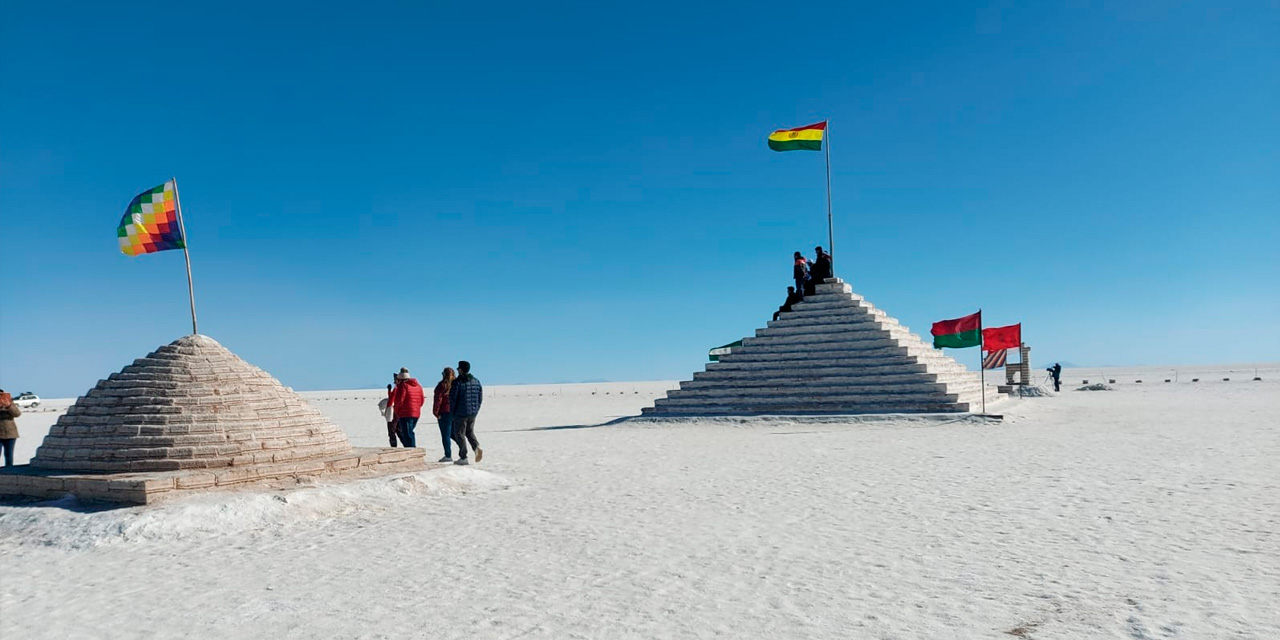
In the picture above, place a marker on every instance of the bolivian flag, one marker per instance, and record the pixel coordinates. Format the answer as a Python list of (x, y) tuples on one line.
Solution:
[(808, 138)]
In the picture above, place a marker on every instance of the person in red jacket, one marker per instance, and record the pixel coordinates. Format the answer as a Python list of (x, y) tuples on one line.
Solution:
[(440, 409), (407, 400)]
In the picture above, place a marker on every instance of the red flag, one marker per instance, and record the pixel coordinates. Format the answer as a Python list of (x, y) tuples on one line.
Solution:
[(959, 325), (997, 338)]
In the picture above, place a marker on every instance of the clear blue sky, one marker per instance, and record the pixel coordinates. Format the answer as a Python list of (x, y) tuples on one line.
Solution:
[(561, 192)]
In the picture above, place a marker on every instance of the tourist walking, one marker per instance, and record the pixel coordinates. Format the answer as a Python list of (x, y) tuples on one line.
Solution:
[(440, 408), (793, 297), (389, 414), (407, 400), (464, 402), (821, 269), (9, 427), (801, 274)]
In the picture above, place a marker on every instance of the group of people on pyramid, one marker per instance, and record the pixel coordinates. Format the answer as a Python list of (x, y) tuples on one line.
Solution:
[(455, 405), (807, 278)]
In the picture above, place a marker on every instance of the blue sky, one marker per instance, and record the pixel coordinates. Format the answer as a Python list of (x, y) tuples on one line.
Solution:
[(578, 192)]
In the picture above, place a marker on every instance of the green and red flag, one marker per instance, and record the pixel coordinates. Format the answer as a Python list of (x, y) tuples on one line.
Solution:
[(150, 222), (996, 338), (958, 333), (806, 138)]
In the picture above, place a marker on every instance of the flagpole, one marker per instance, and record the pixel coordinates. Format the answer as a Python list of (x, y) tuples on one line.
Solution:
[(191, 289), (982, 371), (831, 236)]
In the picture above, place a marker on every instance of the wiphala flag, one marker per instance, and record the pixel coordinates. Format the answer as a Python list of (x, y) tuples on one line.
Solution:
[(150, 222)]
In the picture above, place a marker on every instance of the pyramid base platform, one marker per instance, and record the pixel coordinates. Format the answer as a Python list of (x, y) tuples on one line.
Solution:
[(152, 487)]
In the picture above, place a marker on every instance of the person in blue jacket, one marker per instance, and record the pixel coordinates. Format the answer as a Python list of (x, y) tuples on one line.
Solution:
[(464, 402)]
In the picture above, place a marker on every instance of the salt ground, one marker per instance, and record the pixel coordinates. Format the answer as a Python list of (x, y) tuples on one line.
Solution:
[(1148, 511)]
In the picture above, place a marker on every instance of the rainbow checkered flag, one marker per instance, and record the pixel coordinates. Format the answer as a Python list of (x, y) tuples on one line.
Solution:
[(151, 222)]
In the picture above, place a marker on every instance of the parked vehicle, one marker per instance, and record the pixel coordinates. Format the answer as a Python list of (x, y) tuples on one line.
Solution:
[(27, 400)]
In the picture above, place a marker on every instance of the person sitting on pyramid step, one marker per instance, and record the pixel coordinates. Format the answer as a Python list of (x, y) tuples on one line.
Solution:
[(793, 297)]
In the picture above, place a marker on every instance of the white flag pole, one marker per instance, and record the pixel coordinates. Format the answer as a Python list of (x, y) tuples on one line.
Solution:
[(981, 369), (191, 289), (831, 236)]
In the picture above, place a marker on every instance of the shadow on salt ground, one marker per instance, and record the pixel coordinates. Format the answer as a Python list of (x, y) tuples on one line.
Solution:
[(562, 427), (66, 503), (904, 420)]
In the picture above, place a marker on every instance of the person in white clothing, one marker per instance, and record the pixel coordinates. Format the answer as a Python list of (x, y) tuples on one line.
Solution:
[(389, 414)]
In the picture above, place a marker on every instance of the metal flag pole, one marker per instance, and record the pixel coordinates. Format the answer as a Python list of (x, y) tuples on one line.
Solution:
[(831, 236), (191, 289), (982, 371)]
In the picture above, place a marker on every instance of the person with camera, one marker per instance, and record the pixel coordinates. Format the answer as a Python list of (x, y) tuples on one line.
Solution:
[(1056, 371)]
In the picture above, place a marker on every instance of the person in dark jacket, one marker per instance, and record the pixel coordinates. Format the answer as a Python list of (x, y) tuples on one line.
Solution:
[(441, 409), (8, 426), (407, 400), (801, 274), (793, 297), (1056, 371), (821, 267), (464, 401)]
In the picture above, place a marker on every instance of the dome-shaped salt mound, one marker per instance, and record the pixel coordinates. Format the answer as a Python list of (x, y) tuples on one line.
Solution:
[(191, 404)]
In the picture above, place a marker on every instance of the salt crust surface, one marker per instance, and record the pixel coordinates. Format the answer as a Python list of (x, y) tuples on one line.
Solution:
[(1152, 511)]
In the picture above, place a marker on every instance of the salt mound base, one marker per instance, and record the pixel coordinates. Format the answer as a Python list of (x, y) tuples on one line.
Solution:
[(1032, 391), (1097, 386), (68, 523)]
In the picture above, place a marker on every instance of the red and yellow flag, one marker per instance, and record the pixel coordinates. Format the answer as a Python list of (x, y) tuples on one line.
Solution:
[(806, 138)]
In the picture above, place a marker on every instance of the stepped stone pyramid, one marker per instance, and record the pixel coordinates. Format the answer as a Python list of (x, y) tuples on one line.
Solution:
[(832, 354), (190, 415), (191, 404)]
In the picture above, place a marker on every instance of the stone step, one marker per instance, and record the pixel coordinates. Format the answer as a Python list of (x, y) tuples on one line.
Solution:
[(707, 379), (822, 388), (802, 358), (852, 348), (811, 408), (847, 362), (784, 370), (830, 303), (834, 329), (867, 385), (885, 335), (834, 319), (837, 357)]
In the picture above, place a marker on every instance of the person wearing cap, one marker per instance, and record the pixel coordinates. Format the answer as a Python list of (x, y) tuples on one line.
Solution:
[(8, 426), (464, 401), (407, 400), (821, 267)]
